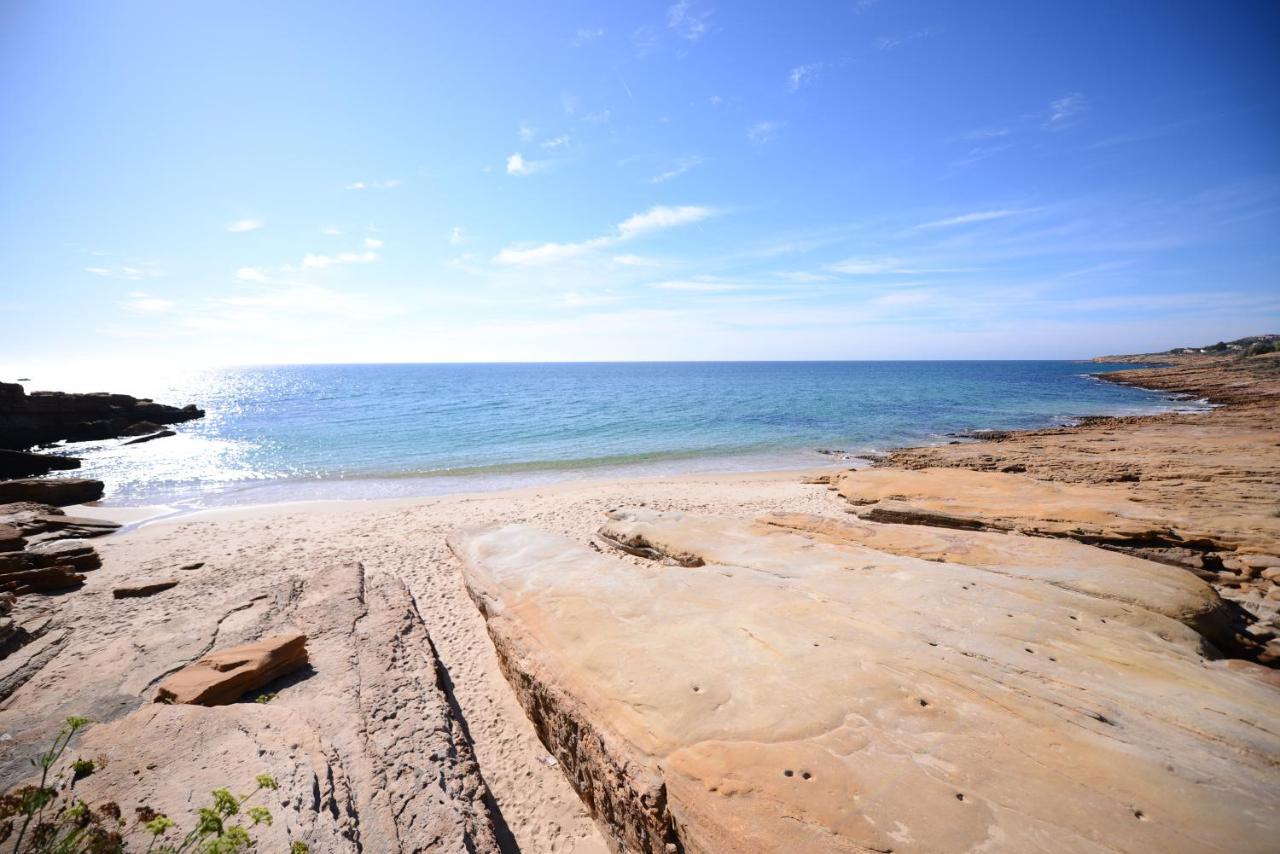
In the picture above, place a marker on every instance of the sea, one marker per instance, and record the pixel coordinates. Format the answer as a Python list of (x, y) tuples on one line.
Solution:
[(313, 432)]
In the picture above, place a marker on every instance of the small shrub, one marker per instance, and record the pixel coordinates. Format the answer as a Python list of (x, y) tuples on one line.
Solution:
[(49, 819)]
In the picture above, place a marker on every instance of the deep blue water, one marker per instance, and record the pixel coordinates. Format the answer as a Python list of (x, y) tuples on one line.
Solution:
[(279, 433)]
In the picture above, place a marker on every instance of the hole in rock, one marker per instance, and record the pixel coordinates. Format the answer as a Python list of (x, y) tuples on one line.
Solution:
[(924, 702), (806, 775), (959, 796), (788, 773)]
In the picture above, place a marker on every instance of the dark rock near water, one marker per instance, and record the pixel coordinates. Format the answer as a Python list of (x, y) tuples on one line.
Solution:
[(25, 464), (56, 491), (149, 437), (45, 417)]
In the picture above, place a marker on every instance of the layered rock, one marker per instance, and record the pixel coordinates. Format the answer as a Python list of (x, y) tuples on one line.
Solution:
[(369, 752), (796, 689), (223, 676), (60, 491), (45, 417)]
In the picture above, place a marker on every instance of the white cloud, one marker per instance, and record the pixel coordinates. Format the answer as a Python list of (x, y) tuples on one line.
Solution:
[(655, 219), (695, 286), (1064, 110), (599, 118), (762, 132), (389, 184), (586, 35), (803, 75), (251, 223), (526, 132), (687, 21), (319, 262), (330, 230), (517, 165), (555, 142), (129, 272), (251, 274), (969, 218), (372, 243), (634, 261), (893, 266), (456, 236), (149, 305), (681, 166)]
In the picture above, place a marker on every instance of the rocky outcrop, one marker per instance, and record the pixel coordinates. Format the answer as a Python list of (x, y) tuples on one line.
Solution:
[(803, 691), (24, 464), (56, 491), (224, 676), (45, 417), (368, 750), (151, 437)]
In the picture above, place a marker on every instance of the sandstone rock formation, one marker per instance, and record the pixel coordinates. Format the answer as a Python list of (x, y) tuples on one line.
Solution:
[(45, 417), (223, 676), (803, 685), (57, 491), (366, 745)]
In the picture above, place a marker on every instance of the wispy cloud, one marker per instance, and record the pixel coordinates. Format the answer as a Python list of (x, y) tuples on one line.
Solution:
[(320, 262), (695, 286), (555, 142), (372, 243), (970, 218), (599, 117), (653, 220), (129, 272), (762, 132), (251, 223), (389, 184), (456, 236), (687, 20), (144, 303), (517, 165), (331, 231), (803, 75), (251, 274), (526, 131), (681, 166), (585, 35), (891, 42), (1064, 111)]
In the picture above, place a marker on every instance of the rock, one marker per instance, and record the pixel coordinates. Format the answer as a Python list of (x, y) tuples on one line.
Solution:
[(49, 579), (144, 588), (141, 428), (74, 553), (11, 539), (368, 750), (57, 491), (796, 694), (160, 435), (189, 567), (899, 513), (222, 677), (24, 464), (1272, 574), (45, 417)]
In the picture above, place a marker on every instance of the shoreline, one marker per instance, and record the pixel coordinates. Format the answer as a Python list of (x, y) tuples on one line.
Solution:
[(244, 572)]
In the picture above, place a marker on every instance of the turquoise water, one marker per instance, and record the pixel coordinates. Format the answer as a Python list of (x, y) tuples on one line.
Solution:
[(342, 431)]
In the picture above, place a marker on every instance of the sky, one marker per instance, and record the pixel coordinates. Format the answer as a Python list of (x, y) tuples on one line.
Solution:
[(238, 183)]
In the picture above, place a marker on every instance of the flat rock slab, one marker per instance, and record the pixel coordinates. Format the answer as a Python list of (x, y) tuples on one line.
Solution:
[(369, 751), (144, 588), (800, 693), (224, 676), (1001, 501)]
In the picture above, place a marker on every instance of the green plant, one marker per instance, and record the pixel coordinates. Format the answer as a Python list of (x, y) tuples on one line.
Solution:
[(50, 819), (266, 697)]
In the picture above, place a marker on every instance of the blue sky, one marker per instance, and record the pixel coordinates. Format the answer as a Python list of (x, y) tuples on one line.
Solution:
[(199, 183)]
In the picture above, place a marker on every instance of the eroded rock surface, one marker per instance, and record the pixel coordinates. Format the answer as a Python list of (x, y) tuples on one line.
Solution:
[(368, 750), (802, 691)]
